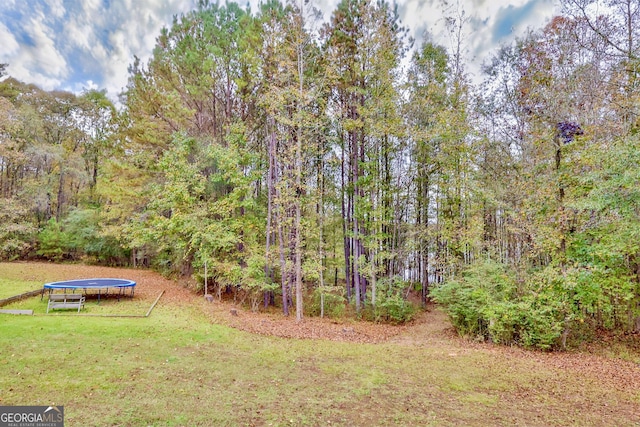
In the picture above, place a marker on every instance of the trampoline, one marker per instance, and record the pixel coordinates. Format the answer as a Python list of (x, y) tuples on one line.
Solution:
[(122, 286)]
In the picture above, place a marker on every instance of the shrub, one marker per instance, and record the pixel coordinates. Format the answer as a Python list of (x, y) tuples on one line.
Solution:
[(334, 302), (78, 237), (391, 304), (486, 303), (17, 234), (478, 303), (54, 242)]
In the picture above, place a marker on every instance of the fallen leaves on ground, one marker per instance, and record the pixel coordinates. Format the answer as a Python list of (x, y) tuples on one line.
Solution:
[(430, 328)]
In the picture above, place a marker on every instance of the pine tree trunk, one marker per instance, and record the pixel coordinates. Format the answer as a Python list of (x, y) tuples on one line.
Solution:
[(298, 181), (270, 194), (346, 223)]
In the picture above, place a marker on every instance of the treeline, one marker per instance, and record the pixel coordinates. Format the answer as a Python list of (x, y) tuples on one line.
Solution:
[(305, 162)]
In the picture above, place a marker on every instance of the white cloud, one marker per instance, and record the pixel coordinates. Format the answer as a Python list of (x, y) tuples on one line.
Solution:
[(139, 25), (480, 35), (78, 33), (56, 8), (44, 55), (8, 42), (505, 22), (9, 4), (37, 61)]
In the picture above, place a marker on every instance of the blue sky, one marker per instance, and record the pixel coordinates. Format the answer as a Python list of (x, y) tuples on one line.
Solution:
[(80, 44)]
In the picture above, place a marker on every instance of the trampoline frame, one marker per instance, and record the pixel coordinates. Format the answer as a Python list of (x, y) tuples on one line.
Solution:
[(94, 283)]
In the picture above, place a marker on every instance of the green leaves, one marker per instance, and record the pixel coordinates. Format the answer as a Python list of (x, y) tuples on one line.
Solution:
[(17, 233), (486, 302)]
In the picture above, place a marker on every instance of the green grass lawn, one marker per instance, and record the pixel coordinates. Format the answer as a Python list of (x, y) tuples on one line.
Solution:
[(105, 306), (175, 368), (18, 278), (12, 287)]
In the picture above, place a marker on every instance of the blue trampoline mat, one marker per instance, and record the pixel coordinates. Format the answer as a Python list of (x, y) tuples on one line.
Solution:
[(90, 284)]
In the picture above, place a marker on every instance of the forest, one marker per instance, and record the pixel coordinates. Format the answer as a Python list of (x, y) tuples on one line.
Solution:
[(330, 166)]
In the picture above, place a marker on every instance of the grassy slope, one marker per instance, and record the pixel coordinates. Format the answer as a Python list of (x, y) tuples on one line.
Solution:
[(176, 369)]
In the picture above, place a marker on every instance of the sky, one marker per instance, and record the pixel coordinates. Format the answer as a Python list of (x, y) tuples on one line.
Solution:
[(75, 45)]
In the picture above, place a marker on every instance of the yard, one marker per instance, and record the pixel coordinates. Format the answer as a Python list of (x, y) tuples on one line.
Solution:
[(192, 363)]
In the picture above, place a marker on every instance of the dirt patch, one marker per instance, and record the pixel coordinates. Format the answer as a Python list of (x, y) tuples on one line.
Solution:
[(275, 324)]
